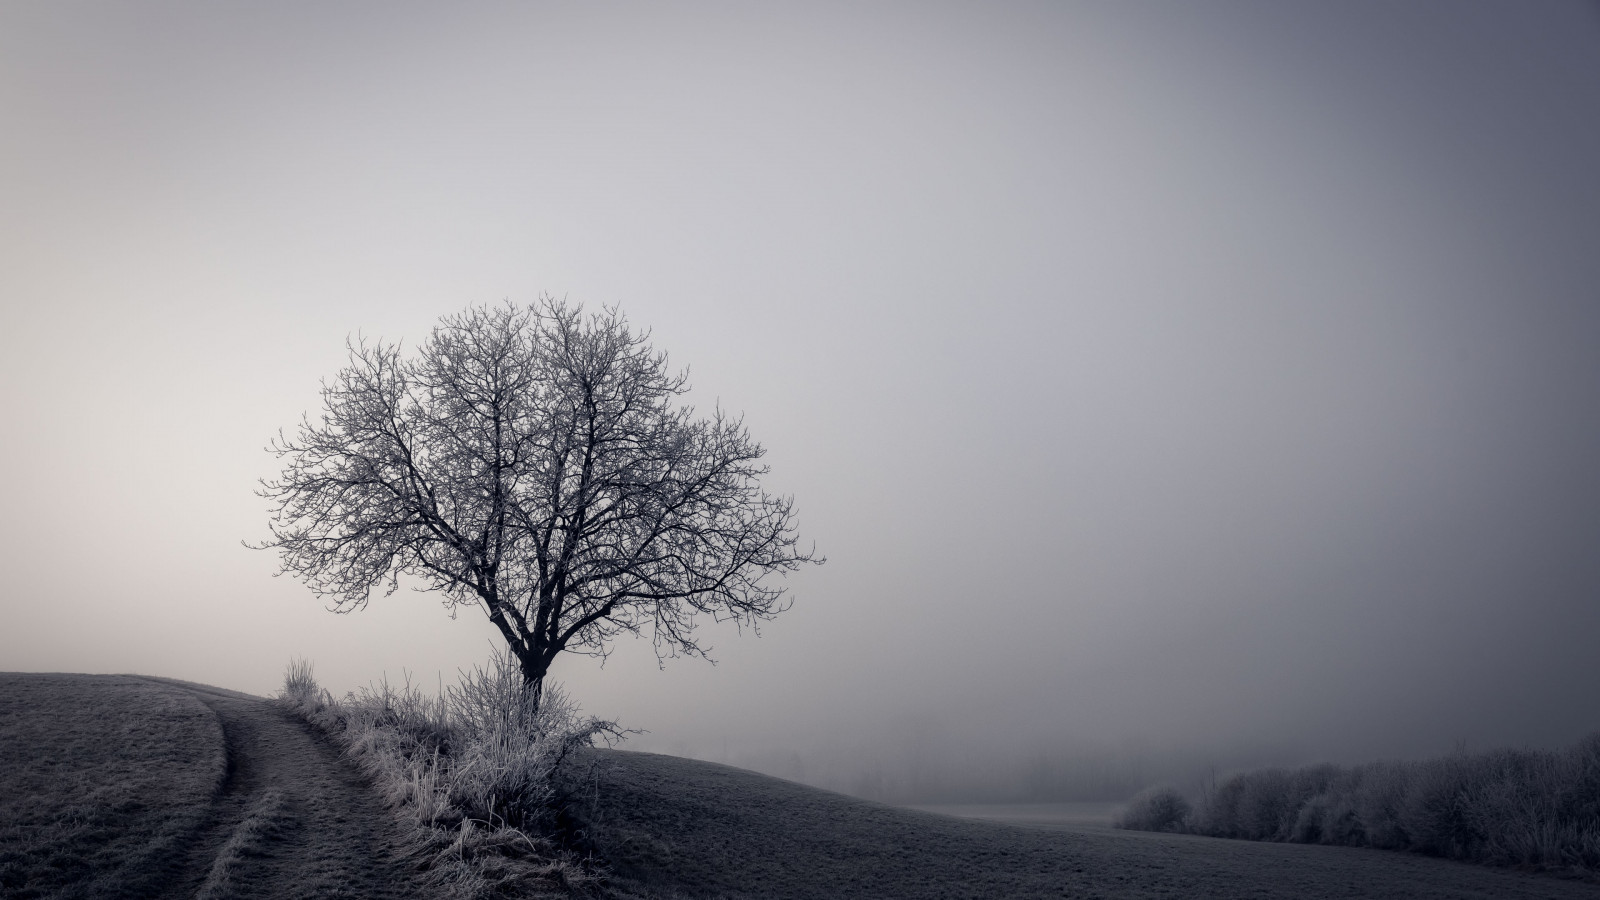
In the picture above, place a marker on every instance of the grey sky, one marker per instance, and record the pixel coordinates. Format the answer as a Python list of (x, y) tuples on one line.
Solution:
[(1201, 376)]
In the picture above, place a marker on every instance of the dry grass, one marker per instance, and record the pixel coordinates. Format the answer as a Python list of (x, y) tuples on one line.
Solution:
[(1524, 808), (105, 781), (476, 769)]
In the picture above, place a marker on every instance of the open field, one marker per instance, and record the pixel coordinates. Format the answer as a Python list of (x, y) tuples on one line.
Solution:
[(683, 828), (1041, 815), (116, 786), (104, 784)]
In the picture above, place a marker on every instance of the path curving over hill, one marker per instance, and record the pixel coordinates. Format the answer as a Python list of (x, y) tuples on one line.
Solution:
[(125, 787), (680, 828), (294, 818)]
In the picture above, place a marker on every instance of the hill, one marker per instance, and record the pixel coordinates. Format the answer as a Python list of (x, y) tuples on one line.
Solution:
[(680, 828), (117, 786), (124, 787)]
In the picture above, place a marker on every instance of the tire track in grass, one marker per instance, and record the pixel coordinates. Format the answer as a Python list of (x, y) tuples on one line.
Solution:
[(294, 819), (264, 817)]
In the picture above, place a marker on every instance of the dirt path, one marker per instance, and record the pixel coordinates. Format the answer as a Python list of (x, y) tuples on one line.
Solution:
[(294, 819)]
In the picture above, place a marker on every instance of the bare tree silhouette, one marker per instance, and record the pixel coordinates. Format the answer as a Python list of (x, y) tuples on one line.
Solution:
[(533, 461)]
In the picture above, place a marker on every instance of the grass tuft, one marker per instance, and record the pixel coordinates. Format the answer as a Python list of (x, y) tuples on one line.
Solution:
[(477, 769)]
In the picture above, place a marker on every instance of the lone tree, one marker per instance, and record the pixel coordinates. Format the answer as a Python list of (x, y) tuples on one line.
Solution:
[(533, 462)]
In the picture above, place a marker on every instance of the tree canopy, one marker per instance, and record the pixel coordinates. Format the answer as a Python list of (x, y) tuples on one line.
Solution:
[(535, 462)]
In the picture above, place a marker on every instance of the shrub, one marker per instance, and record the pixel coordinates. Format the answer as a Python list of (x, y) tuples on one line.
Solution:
[(1157, 808), (1218, 813), (1267, 805), (1378, 792), (476, 769), (1312, 821), (1507, 807), (1433, 810)]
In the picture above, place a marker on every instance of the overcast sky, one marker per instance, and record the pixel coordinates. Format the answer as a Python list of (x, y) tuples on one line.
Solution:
[(1162, 375)]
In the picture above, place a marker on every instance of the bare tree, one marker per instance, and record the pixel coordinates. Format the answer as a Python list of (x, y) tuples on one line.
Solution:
[(533, 462)]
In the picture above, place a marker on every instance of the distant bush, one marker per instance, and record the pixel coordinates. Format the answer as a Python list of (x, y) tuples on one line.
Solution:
[(477, 768), (1528, 808), (1159, 808)]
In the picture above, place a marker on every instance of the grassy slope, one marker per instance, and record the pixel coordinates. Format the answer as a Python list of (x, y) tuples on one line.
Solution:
[(674, 828), (104, 780)]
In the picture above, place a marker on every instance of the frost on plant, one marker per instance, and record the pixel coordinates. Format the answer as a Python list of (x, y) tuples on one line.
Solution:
[(476, 768)]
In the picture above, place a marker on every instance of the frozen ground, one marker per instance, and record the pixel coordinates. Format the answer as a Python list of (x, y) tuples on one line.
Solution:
[(122, 787), (683, 828), (1038, 815), (116, 786)]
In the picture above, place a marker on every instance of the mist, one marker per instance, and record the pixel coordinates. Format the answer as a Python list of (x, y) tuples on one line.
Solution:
[(1170, 388)]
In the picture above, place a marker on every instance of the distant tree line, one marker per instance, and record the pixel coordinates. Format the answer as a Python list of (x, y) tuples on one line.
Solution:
[(1531, 808)]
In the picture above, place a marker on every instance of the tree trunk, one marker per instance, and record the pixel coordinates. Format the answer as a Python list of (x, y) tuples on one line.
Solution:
[(533, 672)]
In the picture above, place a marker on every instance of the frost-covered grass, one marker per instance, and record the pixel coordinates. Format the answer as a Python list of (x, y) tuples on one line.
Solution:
[(682, 829), (477, 768), (1524, 808), (105, 782)]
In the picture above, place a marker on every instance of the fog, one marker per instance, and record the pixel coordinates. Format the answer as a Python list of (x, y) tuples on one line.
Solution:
[(1169, 386)]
